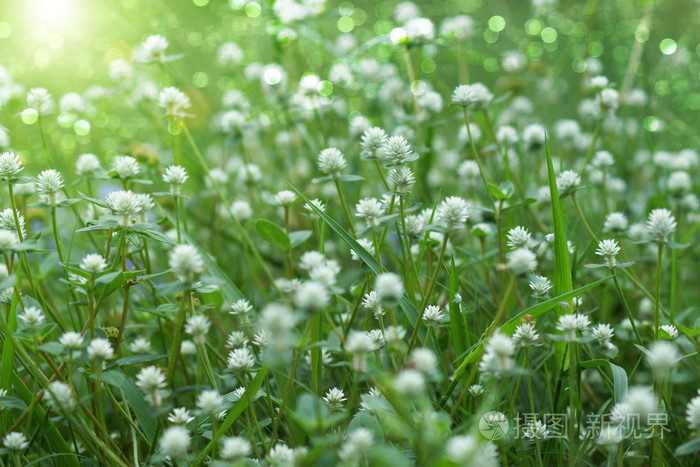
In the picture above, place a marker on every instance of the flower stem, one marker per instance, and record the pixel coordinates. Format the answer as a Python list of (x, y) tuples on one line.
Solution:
[(657, 294)]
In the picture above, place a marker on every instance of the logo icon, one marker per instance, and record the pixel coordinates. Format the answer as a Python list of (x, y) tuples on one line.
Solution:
[(493, 425)]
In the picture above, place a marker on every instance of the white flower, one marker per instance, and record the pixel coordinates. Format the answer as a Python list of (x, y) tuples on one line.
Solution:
[(457, 27), (198, 326), (409, 382), (280, 454), (8, 240), (359, 343), (567, 182), (151, 381), (100, 349), (525, 335), (498, 355), (186, 261), (615, 222), (285, 198), (466, 450), (476, 390), (389, 286), (49, 182), (370, 209), (125, 204), (519, 237), (141, 345), (153, 48), (641, 400), (188, 348), (59, 397), (402, 179), (609, 436), (39, 99), (15, 441), (572, 323), (453, 212), (662, 356), (175, 176), (209, 402), (241, 359), (608, 249), (93, 263), (521, 261), (419, 30), (540, 286), (660, 224), (433, 315), (335, 397), (10, 165), (397, 150), (603, 334), (71, 340), (241, 306), (692, 413), (358, 442), (32, 317), (331, 161), (312, 295), (174, 442), (373, 139), (235, 447), (229, 54), (609, 100), (180, 416), (476, 96), (424, 360), (174, 101), (670, 330), (241, 210), (373, 302), (536, 430), (125, 167)]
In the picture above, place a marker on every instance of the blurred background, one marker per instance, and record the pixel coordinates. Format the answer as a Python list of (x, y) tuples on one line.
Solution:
[(66, 45)]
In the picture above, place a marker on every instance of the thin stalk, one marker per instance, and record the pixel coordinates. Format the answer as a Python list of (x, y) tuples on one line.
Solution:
[(476, 155), (591, 148), (657, 294), (177, 338), (44, 144), (627, 307), (57, 236), (344, 204), (428, 292)]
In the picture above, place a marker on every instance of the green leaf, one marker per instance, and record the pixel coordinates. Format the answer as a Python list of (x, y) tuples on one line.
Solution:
[(233, 414), (562, 267), (619, 377), (68, 202), (98, 202), (690, 447), (299, 237), (52, 348), (496, 192), (12, 403), (118, 379), (133, 359), (271, 232)]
